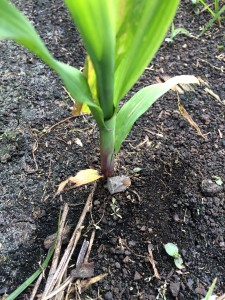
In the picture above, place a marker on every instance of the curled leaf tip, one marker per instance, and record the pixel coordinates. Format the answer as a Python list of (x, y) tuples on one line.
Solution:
[(81, 178)]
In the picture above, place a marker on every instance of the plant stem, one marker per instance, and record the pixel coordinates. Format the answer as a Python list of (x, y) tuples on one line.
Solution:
[(216, 6), (107, 144)]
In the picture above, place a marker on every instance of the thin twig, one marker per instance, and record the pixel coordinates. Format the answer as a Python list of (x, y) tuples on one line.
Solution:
[(37, 284), (34, 148), (89, 247), (60, 289), (71, 246), (68, 291), (60, 295), (57, 251), (59, 123), (82, 253), (58, 284), (152, 262), (221, 297)]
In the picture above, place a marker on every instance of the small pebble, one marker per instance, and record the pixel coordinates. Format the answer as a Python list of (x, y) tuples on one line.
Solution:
[(210, 188), (143, 228), (131, 243), (126, 259), (117, 184), (222, 244), (175, 288), (108, 296), (137, 276), (97, 202), (176, 218)]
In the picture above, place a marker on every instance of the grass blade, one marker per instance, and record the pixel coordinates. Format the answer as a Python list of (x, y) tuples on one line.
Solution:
[(210, 291), (31, 279), (209, 24)]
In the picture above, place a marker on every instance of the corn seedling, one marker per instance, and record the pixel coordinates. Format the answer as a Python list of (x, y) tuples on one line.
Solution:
[(174, 32), (115, 209), (172, 250), (121, 38)]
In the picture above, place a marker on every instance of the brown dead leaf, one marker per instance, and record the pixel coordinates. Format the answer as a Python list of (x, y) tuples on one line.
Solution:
[(27, 168), (85, 270), (82, 285), (77, 108), (211, 93), (181, 88), (203, 82), (82, 177), (188, 117)]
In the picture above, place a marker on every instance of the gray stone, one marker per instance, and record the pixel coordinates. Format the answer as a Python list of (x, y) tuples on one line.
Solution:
[(108, 296), (210, 188), (117, 184), (175, 288)]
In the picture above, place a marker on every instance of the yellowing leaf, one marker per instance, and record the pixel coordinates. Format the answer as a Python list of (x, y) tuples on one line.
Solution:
[(89, 73), (80, 108), (82, 177), (188, 117)]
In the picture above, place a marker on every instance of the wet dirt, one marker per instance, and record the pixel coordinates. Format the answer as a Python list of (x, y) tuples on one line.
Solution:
[(173, 196)]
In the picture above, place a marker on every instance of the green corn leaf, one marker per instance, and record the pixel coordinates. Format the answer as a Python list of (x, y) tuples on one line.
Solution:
[(96, 22), (77, 86), (140, 103), (15, 26), (141, 28)]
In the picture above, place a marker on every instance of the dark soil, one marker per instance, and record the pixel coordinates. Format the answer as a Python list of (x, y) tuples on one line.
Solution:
[(171, 198)]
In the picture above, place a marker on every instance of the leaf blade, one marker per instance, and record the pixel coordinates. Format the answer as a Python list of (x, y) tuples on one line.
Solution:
[(139, 36), (172, 250), (95, 21), (81, 178), (15, 26), (140, 103)]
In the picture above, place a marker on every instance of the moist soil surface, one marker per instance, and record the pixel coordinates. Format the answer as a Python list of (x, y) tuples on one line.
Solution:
[(173, 197)]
